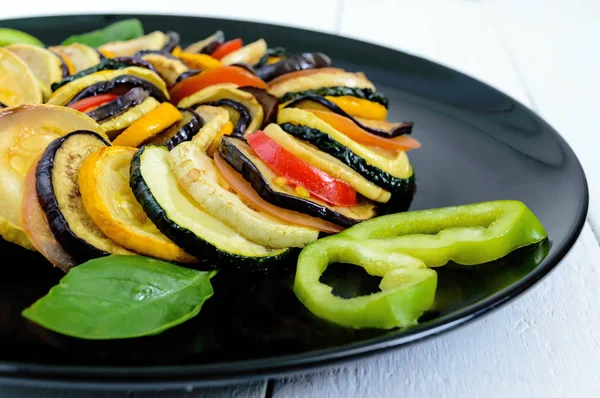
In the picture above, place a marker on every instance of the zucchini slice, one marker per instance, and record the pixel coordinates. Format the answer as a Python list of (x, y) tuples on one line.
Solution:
[(25, 131), (314, 79), (389, 170), (18, 84), (197, 174), (108, 199), (79, 55), (67, 92), (356, 92), (229, 91), (329, 164), (264, 181), (58, 192), (44, 64), (115, 125), (187, 224)]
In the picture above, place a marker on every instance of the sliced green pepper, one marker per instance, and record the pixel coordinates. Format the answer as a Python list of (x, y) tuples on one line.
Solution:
[(12, 36), (399, 248)]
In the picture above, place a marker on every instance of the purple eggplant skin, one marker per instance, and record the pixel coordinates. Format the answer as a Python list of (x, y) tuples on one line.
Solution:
[(242, 65), (2, 105), (244, 119), (133, 97), (404, 128), (292, 64), (63, 66), (141, 53), (173, 42), (73, 244), (186, 74), (268, 102), (123, 80), (188, 128), (101, 56)]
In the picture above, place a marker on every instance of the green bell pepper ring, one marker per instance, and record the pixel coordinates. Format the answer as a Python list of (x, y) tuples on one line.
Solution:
[(400, 248)]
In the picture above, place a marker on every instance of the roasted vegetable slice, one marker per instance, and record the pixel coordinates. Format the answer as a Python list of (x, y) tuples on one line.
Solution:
[(390, 170), (116, 106), (249, 195), (328, 164), (108, 199), (248, 105), (149, 125), (35, 225), (80, 56), (381, 128), (44, 64), (25, 131), (58, 192), (265, 182), (294, 63), (114, 126), (208, 45), (179, 132), (197, 173), (167, 66), (188, 225), (106, 81), (105, 64), (126, 48), (216, 125), (312, 79), (18, 84), (268, 102), (249, 54)]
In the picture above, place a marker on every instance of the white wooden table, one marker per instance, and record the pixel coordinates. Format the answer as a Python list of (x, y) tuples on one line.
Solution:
[(545, 53)]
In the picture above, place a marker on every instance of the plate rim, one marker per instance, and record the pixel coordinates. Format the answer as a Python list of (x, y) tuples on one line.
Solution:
[(228, 373)]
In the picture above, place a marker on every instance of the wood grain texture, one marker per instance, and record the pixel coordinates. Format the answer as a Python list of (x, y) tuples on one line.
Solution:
[(529, 348), (554, 45)]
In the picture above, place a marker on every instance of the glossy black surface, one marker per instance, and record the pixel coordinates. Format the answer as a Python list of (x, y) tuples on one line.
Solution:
[(477, 144)]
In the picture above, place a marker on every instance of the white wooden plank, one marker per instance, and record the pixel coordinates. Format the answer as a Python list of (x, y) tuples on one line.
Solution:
[(544, 344), (250, 390), (554, 45), (310, 14), (455, 33)]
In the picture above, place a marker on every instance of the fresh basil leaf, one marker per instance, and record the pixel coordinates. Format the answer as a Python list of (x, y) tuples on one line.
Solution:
[(126, 29), (119, 297)]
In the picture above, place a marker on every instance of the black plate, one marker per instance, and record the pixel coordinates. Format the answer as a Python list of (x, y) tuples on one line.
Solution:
[(478, 144)]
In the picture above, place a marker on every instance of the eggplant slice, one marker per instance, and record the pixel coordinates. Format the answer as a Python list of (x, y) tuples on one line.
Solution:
[(243, 159), (58, 193), (268, 102), (383, 129), (292, 64), (208, 45), (172, 42), (182, 131), (133, 97), (186, 74), (2, 105), (125, 80), (106, 64), (244, 116)]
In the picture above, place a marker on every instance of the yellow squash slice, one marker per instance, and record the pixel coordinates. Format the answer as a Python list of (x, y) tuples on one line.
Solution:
[(25, 132), (149, 125), (44, 64), (108, 199), (18, 84)]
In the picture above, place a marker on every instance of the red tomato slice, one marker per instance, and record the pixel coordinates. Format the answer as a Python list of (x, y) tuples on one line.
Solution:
[(35, 225), (352, 131), (222, 74), (246, 192), (227, 47), (299, 172), (93, 102)]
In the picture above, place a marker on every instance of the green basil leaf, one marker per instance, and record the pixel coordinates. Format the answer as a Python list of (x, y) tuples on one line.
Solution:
[(126, 29), (118, 297)]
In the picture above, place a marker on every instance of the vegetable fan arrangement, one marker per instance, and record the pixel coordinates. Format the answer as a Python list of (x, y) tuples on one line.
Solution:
[(139, 167)]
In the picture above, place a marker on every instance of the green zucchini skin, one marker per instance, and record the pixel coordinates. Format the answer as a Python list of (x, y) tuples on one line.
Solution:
[(209, 256), (339, 91), (73, 244), (397, 186)]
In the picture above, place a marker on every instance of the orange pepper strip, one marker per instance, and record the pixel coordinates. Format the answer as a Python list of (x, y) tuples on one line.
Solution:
[(149, 125)]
